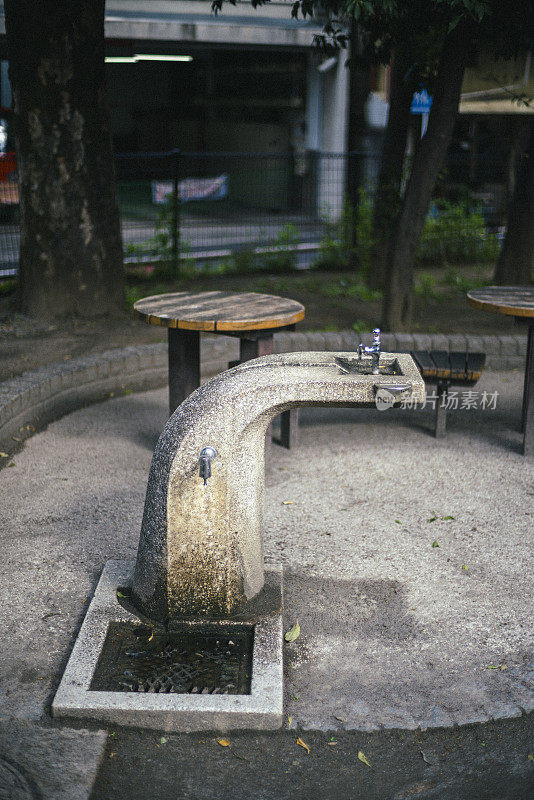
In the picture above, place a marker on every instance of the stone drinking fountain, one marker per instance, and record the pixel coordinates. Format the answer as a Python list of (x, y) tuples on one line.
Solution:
[(190, 636)]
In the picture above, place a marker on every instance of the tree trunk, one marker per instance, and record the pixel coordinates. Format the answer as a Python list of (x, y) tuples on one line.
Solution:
[(358, 94), (398, 295), (70, 249), (516, 259), (388, 194)]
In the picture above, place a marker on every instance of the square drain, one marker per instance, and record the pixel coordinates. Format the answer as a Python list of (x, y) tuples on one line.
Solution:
[(201, 675), (186, 660)]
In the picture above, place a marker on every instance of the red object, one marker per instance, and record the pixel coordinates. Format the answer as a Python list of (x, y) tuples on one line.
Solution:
[(8, 165)]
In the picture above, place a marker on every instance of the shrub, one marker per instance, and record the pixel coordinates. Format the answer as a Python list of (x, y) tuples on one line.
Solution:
[(348, 241), (425, 287), (283, 256), (456, 233)]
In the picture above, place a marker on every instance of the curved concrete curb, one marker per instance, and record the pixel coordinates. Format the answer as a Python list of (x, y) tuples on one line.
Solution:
[(33, 399)]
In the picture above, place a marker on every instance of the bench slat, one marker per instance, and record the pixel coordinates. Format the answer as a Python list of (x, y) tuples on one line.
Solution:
[(442, 362), (475, 365), (458, 365), (425, 363)]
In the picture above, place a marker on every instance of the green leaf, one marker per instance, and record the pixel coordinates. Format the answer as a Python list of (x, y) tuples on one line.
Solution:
[(363, 758), (448, 517), (293, 633), (398, 522), (432, 519), (435, 543), (163, 740)]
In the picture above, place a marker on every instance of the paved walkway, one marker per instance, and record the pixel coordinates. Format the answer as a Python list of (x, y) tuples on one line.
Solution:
[(406, 622)]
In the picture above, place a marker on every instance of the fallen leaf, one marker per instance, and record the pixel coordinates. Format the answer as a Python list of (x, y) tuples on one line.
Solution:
[(530, 757), (362, 758), (289, 720), (150, 637), (435, 543), (465, 568), (223, 742), (12, 464), (341, 719), (425, 759), (398, 522), (112, 754), (503, 667), (331, 744), (163, 740), (120, 594), (449, 517), (288, 502), (490, 666), (4, 455), (293, 633), (432, 519), (304, 745), (16, 439)]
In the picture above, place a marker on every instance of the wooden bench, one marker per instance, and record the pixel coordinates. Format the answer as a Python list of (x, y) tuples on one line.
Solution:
[(444, 370)]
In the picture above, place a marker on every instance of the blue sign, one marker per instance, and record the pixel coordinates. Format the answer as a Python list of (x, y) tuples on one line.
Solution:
[(421, 102)]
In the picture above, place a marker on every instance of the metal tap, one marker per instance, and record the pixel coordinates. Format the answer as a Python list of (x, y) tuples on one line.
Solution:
[(207, 454), (373, 351)]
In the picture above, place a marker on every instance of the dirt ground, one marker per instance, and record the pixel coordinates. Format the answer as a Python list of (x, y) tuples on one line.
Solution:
[(27, 344)]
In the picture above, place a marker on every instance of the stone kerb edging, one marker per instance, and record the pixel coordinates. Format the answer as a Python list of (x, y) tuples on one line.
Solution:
[(33, 399)]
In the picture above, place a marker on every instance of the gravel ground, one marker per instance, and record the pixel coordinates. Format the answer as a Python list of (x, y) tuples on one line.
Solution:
[(396, 632)]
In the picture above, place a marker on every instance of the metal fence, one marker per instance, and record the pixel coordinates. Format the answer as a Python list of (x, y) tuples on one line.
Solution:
[(207, 206)]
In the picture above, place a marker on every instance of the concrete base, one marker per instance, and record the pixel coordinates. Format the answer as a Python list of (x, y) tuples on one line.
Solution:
[(262, 709)]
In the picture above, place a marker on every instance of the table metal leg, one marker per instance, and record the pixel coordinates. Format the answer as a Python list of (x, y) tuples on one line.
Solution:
[(255, 347), (527, 416), (184, 365), (441, 411)]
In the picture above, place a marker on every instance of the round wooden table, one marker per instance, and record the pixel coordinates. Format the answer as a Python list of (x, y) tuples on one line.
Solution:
[(252, 317), (517, 302)]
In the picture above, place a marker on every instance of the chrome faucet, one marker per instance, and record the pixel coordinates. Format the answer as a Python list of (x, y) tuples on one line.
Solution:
[(207, 454), (373, 351)]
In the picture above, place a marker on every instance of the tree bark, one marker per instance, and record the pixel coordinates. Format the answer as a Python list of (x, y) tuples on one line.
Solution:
[(358, 94), (398, 296), (388, 195), (70, 250), (516, 259)]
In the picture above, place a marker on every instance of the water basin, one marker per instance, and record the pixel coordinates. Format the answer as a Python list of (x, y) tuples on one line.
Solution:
[(365, 367)]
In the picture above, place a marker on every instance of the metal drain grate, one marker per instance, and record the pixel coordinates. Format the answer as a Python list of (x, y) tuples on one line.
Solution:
[(207, 659)]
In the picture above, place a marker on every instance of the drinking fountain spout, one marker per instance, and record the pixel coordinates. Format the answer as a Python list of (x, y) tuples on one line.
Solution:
[(200, 551), (207, 454), (374, 351)]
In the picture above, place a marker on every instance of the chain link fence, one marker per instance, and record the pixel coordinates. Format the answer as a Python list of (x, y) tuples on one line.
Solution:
[(209, 206)]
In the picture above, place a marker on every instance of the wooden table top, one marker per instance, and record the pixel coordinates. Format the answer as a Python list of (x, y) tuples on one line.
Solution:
[(517, 301), (219, 312)]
